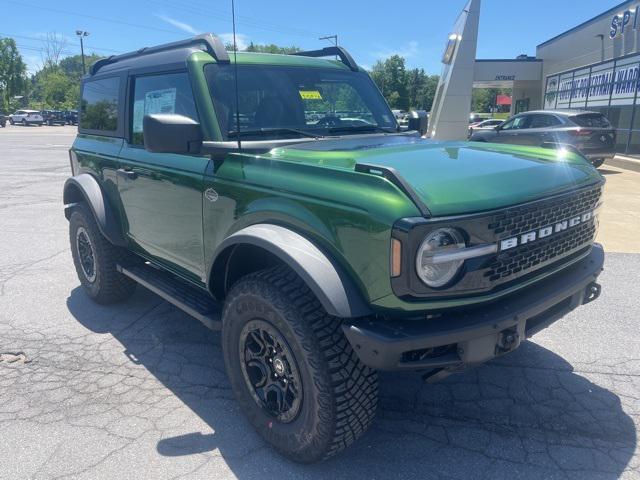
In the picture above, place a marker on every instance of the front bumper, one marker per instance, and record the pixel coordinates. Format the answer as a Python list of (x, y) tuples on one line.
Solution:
[(468, 337)]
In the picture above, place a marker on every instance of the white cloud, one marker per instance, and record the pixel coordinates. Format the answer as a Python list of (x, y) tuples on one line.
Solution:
[(185, 27), (410, 49), (241, 40)]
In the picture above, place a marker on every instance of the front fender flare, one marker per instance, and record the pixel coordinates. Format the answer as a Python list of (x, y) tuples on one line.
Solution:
[(85, 188), (335, 290)]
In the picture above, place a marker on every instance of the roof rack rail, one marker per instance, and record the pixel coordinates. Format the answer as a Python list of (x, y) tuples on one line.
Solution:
[(329, 51), (212, 44)]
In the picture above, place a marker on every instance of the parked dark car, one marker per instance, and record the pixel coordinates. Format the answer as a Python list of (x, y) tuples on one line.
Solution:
[(54, 117), (71, 117), (588, 132)]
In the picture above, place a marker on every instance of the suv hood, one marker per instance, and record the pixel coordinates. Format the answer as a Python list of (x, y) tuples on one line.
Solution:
[(454, 177)]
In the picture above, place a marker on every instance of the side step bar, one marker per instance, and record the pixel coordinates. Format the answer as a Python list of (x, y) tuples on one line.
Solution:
[(196, 303)]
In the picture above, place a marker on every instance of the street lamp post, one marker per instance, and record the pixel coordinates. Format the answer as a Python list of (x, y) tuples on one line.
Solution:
[(82, 34)]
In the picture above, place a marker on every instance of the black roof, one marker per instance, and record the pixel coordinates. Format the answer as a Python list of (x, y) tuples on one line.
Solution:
[(165, 54), (175, 53)]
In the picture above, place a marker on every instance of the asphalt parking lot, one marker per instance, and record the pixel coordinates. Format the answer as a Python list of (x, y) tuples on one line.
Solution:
[(139, 391)]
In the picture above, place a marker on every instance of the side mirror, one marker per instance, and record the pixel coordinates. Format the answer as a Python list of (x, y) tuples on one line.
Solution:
[(171, 133), (497, 128), (419, 120)]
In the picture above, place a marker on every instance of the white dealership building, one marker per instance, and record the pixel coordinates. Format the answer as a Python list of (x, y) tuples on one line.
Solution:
[(594, 66)]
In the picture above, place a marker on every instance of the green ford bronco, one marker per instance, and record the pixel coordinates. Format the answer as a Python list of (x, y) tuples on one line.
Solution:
[(275, 197)]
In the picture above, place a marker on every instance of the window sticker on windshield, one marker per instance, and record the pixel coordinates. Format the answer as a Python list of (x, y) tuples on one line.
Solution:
[(160, 101), (310, 95)]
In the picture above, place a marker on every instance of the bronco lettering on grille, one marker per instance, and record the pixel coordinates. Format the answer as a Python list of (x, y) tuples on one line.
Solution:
[(544, 232)]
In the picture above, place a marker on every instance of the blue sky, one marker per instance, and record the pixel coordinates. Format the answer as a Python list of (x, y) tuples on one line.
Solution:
[(370, 30)]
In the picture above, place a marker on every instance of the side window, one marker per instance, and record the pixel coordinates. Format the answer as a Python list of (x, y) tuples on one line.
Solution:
[(99, 106), (508, 125), (543, 121), (518, 123), (166, 93)]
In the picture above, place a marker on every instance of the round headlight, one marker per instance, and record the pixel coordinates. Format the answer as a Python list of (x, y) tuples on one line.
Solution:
[(431, 269)]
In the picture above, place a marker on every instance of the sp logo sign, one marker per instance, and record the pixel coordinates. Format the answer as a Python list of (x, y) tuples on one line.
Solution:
[(624, 21)]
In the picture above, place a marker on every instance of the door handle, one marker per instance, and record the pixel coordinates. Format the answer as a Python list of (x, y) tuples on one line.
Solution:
[(127, 173)]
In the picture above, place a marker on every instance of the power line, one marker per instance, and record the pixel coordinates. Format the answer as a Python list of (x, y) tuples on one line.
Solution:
[(258, 24), (248, 21), (24, 37), (92, 17)]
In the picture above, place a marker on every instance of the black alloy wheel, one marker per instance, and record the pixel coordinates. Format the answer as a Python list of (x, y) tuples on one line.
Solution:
[(85, 254), (270, 370)]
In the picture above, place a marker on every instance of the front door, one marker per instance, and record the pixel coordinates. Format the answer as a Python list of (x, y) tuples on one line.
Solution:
[(161, 193), (512, 131)]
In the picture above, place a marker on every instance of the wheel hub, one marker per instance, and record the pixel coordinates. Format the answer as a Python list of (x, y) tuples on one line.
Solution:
[(85, 254), (270, 370)]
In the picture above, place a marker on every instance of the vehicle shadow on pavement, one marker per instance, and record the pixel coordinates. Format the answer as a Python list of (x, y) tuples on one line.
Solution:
[(526, 415)]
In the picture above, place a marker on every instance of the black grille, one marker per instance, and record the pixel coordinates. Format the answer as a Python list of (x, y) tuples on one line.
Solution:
[(518, 261), (541, 214), (526, 257)]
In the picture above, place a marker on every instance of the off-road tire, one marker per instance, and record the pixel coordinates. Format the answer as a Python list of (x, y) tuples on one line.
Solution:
[(11, 121), (24, 123), (339, 393), (597, 162), (109, 285)]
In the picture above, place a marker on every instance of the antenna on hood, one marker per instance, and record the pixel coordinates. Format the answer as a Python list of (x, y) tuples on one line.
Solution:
[(235, 66)]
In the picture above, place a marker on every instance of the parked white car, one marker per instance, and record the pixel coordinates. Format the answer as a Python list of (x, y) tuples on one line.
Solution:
[(488, 124), (26, 117)]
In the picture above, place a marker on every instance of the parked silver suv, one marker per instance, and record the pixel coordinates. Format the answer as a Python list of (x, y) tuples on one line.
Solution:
[(26, 117), (588, 132)]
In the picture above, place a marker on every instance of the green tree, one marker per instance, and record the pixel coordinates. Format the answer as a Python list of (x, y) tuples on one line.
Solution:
[(57, 91), (13, 74), (421, 89), (72, 66), (483, 99), (57, 86), (391, 77), (271, 48)]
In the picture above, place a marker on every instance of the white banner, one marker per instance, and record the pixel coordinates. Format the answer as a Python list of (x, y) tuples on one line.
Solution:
[(581, 88)]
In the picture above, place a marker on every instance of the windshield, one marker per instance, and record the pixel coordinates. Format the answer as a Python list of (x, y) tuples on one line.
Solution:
[(286, 102)]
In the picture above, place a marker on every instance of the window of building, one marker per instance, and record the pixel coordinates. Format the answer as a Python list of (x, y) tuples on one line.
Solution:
[(99, 106), (165, 93)]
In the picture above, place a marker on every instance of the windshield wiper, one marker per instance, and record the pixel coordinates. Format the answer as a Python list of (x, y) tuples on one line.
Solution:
[(264, 131), (361, 128)]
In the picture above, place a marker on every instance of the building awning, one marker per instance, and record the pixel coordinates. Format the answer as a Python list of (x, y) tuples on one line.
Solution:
[(503, 100)]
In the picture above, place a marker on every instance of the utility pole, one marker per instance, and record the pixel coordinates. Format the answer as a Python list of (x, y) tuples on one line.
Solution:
[(331, 37), (82, 34)]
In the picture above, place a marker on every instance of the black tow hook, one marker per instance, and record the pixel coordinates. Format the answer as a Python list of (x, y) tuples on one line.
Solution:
[(591, 292)]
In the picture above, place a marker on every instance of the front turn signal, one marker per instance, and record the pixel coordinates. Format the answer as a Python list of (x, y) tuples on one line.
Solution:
[(396, 257)]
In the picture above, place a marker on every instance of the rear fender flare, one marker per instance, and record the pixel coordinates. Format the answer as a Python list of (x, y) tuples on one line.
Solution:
[(85, 188)]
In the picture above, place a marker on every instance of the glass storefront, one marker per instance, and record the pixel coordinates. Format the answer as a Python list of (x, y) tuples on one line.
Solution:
[(610, 88)]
